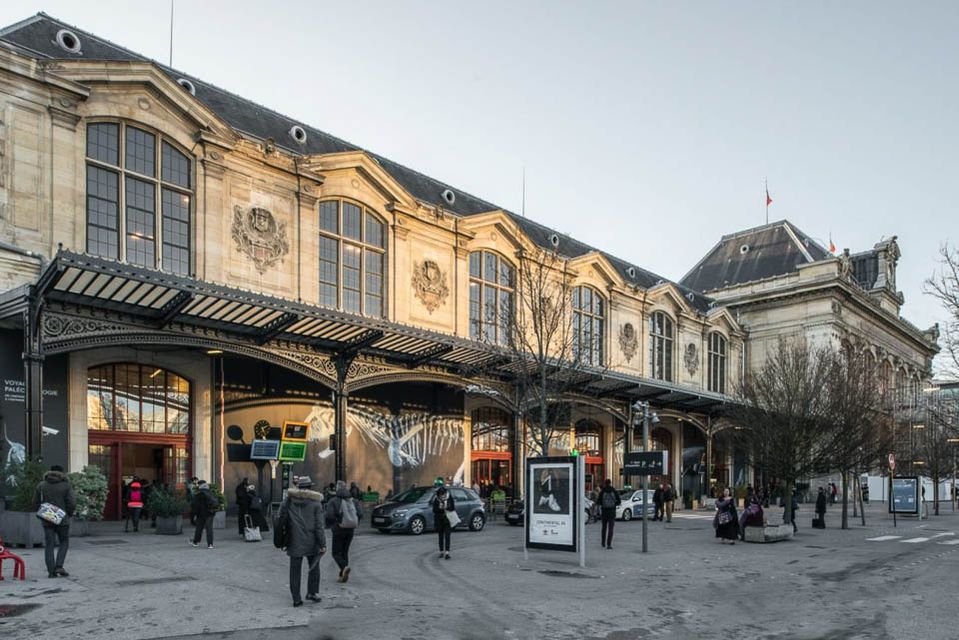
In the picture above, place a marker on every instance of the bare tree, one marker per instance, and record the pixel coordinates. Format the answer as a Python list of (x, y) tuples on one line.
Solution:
[(944, 286), (783, 414), (935, 444), (860, 433)]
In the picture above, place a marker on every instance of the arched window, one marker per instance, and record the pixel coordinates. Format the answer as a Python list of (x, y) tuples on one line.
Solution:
[(885, 378), (137, 398), (589, 325), (492, 286), (352, 259), (661, 346), (588, 438), (717, 362), (492, 430), (902, 390), (139, 195)]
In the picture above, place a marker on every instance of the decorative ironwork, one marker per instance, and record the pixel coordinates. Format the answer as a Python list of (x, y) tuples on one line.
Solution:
[(259, 236), (691, 359), (429, 284), (628, 341)]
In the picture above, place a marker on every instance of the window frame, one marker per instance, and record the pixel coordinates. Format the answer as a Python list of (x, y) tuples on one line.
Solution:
[(169, 391), (499, 426), (342, 240), (596, 357), (657, 347), (124, 176), (478, 327), (718, 362)]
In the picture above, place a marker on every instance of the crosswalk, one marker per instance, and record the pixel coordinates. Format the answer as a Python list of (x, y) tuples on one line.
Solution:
[(938, 538), (692, 516)]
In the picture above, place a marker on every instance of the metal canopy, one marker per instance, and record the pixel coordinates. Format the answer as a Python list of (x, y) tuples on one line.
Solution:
[(159, 299)]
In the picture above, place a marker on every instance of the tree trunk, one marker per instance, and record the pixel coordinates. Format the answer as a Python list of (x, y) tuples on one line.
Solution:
[(855, 499), (788, 514), (862, 505), (935, 495), (845, 499)]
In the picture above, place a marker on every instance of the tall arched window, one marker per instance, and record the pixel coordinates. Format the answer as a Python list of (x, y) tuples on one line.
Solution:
[(885, 378), (491, 457), (492, 286), (137, 397), (139, 191), (492, 429), (661, 346), (902, 390), (352, 259), (589, 325), (588, 438), (717, 362)]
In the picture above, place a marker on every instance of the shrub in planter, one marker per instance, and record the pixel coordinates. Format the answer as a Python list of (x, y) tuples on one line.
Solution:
[(219, 518), (19, 525), (90, 488), (169, 507)]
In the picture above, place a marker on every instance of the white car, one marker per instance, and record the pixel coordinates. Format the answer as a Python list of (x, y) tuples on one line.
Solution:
[(632, 504)]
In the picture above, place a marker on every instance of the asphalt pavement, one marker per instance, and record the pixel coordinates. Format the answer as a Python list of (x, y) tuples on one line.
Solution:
[(873, 582)]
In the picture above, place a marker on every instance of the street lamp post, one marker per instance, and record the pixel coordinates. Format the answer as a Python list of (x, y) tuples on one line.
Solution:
[(643, 407)]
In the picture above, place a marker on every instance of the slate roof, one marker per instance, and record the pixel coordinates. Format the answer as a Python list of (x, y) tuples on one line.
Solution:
[(773, 249), (36, 37)]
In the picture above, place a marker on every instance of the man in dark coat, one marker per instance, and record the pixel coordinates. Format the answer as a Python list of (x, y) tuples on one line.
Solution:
[(242, 503), (608, 502), (821, 508), (55, 489), (658, 502), (303, 511), (204, 506), (342, 535)]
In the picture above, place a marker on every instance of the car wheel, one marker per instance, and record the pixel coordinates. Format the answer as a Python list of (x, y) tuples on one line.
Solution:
[(627, 515), (477, 522), (417, 525)]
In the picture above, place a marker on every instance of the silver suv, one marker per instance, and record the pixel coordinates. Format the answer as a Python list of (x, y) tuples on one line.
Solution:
[(411, 512)]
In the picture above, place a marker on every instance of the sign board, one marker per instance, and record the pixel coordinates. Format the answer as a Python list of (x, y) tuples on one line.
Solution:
[(892, 461), (292, 451), (295, 431), (904, 497), (553, 503), (265, 450), (646, 463)]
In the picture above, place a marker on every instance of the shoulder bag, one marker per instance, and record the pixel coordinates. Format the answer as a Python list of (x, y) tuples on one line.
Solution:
[(50, 512)]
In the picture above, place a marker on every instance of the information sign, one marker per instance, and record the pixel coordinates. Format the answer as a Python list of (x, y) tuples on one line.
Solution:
[(296, 431), (646, 463), (904, 497), (292, 451), (264, 450)]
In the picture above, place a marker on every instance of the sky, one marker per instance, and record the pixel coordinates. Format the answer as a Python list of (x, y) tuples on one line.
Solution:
[(646, 129)]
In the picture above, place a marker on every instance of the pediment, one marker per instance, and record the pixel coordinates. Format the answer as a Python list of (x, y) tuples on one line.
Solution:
[(368, 169)]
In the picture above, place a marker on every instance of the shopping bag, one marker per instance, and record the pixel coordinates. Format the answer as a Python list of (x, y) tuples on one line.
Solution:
[(251, 533), (453, 518)]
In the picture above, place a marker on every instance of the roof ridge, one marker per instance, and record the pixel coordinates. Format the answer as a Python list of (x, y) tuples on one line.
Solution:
[(762, 227), (20, 24)]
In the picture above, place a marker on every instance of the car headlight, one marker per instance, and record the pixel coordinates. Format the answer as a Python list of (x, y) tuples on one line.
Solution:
[(399, 513)]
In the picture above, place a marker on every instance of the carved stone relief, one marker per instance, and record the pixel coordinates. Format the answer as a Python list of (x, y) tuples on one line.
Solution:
[(429, 284), (628, 341), (691, 359), (259, 236)]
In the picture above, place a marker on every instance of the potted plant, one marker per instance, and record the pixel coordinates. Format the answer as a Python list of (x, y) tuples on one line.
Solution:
[(219, 518), (169, 507), (90, 488), (19, 524)]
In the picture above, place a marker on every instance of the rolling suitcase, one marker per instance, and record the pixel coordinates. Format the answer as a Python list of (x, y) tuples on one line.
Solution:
[(251, 533)]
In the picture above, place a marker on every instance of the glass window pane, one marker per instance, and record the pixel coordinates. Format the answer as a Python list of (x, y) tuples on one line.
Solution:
[(351, 278), (174, 166), (141, 222), (489, 267), (103, 222), (103, 142), (351, 221), (475, 261), (176, 231), (475, 312), (374, 232), (505, 315), (505, 274), (329, 216), (141, 151), (100, 414), (598, 305)]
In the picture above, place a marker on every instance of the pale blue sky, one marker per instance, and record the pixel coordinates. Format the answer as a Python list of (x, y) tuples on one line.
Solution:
[(646, 129)]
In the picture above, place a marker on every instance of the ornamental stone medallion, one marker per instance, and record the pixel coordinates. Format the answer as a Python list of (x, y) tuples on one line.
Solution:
[(628, 341), (691, 359), (429, 284), (259, 236)]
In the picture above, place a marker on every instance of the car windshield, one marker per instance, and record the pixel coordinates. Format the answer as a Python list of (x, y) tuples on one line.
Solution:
[(410, 496), (626, 493)]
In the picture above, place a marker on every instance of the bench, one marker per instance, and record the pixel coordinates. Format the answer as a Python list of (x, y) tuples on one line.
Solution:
[(769, 533)]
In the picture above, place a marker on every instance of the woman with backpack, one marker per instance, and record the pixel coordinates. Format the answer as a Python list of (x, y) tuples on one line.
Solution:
[(134, 506), (442, 504), (343, 514)]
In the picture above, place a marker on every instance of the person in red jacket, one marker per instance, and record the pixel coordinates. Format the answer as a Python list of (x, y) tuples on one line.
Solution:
[(134, 506)]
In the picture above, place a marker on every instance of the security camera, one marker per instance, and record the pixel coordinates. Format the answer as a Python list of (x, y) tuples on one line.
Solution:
[(50, 431)]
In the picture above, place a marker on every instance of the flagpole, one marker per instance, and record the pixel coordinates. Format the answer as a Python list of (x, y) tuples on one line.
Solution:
[(766, 185)]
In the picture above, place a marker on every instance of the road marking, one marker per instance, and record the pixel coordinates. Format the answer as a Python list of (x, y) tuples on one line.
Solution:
[(883, 538), (949, 542), (915, 540), (940, 535)]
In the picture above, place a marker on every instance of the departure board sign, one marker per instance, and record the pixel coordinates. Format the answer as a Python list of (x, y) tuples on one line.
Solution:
[(292, 451), (265, 450), (295, 431)]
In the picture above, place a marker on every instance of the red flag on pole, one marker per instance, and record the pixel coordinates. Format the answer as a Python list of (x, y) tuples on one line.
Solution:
[(769, 200), (832, 247)]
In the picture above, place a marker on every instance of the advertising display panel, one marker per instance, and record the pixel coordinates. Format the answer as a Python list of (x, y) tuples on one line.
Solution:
[(553, 502), (904, 497)]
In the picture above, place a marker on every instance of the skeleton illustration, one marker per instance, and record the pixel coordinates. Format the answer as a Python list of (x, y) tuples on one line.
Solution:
[(16, 453), (409, 439)]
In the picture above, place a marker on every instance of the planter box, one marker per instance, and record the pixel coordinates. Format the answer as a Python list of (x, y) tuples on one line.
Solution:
[(21, 528), (169, 525), (219, 520), (79, 528), (769, 533)]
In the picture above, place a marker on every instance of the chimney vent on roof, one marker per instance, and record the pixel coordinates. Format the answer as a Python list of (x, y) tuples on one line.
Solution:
[(744, 249), (298, 133), (554, 240), (631, 272), (448, 196), (68, 41), (186, 84)]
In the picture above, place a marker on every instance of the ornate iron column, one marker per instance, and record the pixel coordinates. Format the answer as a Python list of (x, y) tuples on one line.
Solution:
[(340, 401), (33, 377)]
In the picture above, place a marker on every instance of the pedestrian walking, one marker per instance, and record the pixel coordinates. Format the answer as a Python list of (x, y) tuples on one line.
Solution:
[(204, 506), (134, 506), (242, 504), (794, 503), (55, 489), (669, 500), (355, 492), (608, 501), (821, 509), (192, 486), (725, 521), (256, 508), (658, 503), (302, 513), (343, 515), (442, 505)]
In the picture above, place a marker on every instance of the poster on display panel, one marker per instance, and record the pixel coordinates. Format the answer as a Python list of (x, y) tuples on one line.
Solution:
[(904, 497), (552, 503)]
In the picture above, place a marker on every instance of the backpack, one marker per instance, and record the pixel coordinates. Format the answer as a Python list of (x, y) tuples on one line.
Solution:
[(212, 503), (281, 528), (348, 517), (609, 500)]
